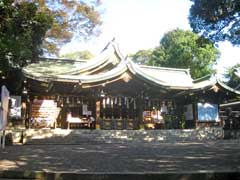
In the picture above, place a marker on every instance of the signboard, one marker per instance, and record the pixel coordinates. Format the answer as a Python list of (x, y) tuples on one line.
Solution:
[(4, 108), (15, 109), (188, 112), (207, 112)]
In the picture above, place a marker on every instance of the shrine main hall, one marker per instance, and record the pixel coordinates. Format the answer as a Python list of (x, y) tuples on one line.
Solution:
[(110, 91)]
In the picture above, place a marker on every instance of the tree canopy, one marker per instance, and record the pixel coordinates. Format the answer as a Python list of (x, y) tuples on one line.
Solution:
[(142, 56), (217, 20), (22, 29), (182, 49), (185, 49), (232, 79), (30, 27), (71, 19)]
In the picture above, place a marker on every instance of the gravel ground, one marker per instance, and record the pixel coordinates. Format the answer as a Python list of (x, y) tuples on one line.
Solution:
[(216, 156)]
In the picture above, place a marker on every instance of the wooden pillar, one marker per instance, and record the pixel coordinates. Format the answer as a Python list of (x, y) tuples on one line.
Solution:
[(120, 107), (195, 113), (139, 102), (98, 109), (111, 105)]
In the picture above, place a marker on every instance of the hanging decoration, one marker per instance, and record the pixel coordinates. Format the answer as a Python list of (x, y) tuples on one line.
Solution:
[(115, 100), (108, 101), (127, 103), (119, 101), (102, 93), (67, 100), (112, 101), (164, 108), (104, 103), (134, 104), (78, 101)]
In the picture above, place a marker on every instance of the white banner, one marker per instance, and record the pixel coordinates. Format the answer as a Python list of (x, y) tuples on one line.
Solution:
[(4, 107), (15, 109)]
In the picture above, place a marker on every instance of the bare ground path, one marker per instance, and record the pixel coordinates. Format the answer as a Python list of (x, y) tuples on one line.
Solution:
[(134, 157)]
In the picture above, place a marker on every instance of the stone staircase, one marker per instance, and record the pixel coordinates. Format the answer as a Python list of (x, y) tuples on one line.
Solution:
[(81, 136)]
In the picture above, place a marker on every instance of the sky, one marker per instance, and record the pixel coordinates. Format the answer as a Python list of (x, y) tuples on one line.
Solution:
[(140, 24)]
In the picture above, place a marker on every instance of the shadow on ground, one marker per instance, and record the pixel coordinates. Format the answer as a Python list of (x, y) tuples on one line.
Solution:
[(117, 159)]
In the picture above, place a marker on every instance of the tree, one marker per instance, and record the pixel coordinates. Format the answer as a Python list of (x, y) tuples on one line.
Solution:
[(22, 29), (142, 56), (71, 19), (185, 49), (232, 79), (217, 20), (78, 55)]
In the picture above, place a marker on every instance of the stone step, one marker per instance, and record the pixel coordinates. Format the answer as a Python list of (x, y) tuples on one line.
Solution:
[(63, 136)]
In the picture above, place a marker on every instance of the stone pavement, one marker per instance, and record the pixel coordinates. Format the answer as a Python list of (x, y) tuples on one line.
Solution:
[(132, 157)]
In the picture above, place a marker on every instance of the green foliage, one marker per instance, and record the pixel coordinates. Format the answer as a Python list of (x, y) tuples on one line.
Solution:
[(233, 79), (22, 29), (185, 49), (216, 20), (30, 27), (78, 55), (142, 56), (71, 19)]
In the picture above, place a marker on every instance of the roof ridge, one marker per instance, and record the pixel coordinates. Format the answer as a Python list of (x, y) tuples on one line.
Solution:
[(224, 85), (62, 59), (208, 76), (165, 68)]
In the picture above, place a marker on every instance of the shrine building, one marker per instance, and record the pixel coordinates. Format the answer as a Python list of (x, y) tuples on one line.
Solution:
[(110, 91)]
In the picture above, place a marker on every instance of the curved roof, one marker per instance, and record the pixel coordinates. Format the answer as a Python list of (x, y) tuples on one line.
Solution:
[(111, 65), (170, 77), (113, 73), (227, 87), (237, 72), (94, 70), (52, 67)]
